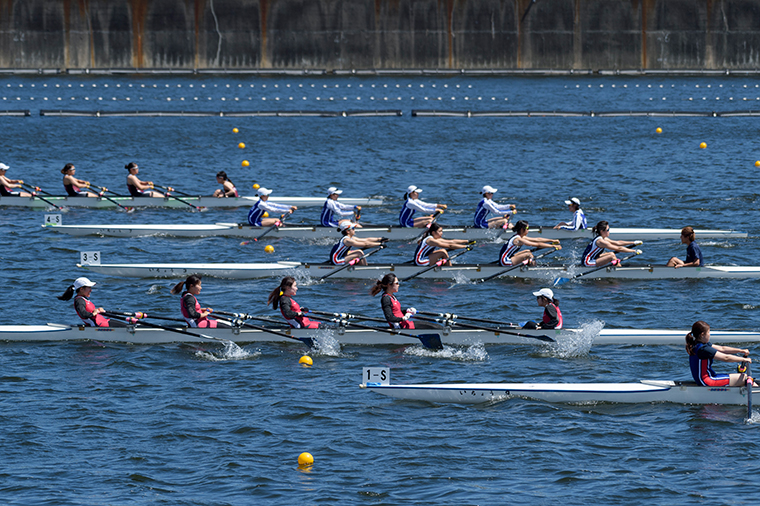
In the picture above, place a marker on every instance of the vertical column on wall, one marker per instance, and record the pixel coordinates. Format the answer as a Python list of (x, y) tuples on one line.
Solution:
[(577, 37), (198, 13), (709, 38), (644, 38), (139, 12), (518, 18), (264, 10), (450, 31)]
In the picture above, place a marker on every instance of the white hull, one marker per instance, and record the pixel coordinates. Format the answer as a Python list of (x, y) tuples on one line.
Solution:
[(392, 233), (55, 332), (567, 393), (458, 272), (101, 203)]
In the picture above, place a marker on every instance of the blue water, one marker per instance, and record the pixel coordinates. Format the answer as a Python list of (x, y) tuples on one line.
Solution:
[(85, 423)]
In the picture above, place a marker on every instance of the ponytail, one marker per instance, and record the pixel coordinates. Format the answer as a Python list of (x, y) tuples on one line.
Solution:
[(688, 232), (277, 293), (382, 284), (599, 228), (191, 280), (223, 175), (433, 228), (68, 294), (699, 329)]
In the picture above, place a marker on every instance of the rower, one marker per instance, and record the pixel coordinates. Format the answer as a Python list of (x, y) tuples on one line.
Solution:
[(256, 214), (702, 353), (579, 218), (282, 296), (488, 206), (73, 185), (139, 188), (510, 253), (228, 187), (412, 204), (693, 252), (594, 254), (91, 316), (192, 312), (333, 211), (342, 252), (7, 185), (552, 317), (426, 254), (397, 319)]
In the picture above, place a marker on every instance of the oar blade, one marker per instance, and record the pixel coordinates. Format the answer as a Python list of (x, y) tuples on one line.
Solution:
[(432, 341), (560, 281), (308, 341), (544, 338)]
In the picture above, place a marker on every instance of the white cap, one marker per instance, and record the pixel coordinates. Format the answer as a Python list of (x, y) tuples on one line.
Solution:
[(263, 191), (488, 189), (544, 292), (344, 225), (573, 200), (413, 188), (80, 282), (3, 166), (331, 190)]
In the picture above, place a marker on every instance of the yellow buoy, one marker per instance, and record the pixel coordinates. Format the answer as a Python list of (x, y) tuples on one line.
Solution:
[(659, 130), (265, 215), (305, 459), (270, 249), (241, 145), (235, 130), (757, 163), (306, 360), (256, 186), (245, 163), (703, 145)]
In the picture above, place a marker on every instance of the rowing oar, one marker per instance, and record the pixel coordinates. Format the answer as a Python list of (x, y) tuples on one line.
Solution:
[(562, 281), (440, 262), (169, 189), (450, 316), (35, 189), (129, 319), (172, 190), (308, 341), (524, 262), (542, 337), (104, 189), (277, 224), (744, 368), (432, 341), (435, 216), (102, 194), (140, 315), (353, 262)]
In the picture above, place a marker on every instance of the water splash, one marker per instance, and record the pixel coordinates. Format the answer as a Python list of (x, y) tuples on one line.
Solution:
[(231, 351), (459, 278), (473, 353), (325, 343), (755, 418), (577, 344), (154, 289), (302, 277)]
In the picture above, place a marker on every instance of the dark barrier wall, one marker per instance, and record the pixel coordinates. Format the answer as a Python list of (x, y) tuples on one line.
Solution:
[(365, 34)]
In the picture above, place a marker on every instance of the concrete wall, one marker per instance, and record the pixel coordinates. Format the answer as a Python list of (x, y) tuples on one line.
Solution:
[(363, 34)]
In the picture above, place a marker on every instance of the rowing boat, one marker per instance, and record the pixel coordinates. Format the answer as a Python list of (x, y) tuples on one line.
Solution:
[(645, 391), (457, 272), (365, 337), (199, 201), (392, 233)]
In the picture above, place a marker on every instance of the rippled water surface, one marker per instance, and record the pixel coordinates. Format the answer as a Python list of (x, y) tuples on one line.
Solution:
[(86, 423)]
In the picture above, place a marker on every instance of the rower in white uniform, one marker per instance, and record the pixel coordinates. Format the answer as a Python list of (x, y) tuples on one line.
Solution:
[(412, 204), (256, 214), (579, 218), (334, 213), (488, 206)]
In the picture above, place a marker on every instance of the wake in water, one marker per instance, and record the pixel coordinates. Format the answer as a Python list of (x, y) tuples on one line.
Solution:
[(577, 344), (302, 278), (231, 351), (473, 353), (325, 343)]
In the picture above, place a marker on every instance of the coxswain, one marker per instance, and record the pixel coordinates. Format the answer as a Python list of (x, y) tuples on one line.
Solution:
[(91, 316), (579, 218), (426, 252), (552, 318), (228, 187), (693, 252), (256, 214), (75, 187), (192, 312), (702, 353), (488, 206), (139, 188), (342, 252), (7, 185), (412, 204), (594, 254), (334, 212), (511, 253), (282, 296)]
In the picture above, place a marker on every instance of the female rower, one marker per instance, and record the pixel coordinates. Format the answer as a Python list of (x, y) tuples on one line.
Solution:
[(510, 253), (342, 252), (702, 353), (333, 211), (73, 185), (552, 318), (487, 206), (579, 218), (91, 316), (594, 255), (282, 296), (255, 215), (425, 254), (6, 184), (139, 188), (693, 253), (396, 318), (412, 204), (228, 187), (192, 312)]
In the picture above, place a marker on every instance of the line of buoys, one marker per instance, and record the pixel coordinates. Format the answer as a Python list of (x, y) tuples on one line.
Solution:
[(21, 113)]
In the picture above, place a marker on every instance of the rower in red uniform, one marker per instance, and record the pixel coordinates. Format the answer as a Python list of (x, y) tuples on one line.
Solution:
[(282, 296), (396, 318), (192, 312), (91, 316), (552, 318), (139, 188), (74, 186)]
